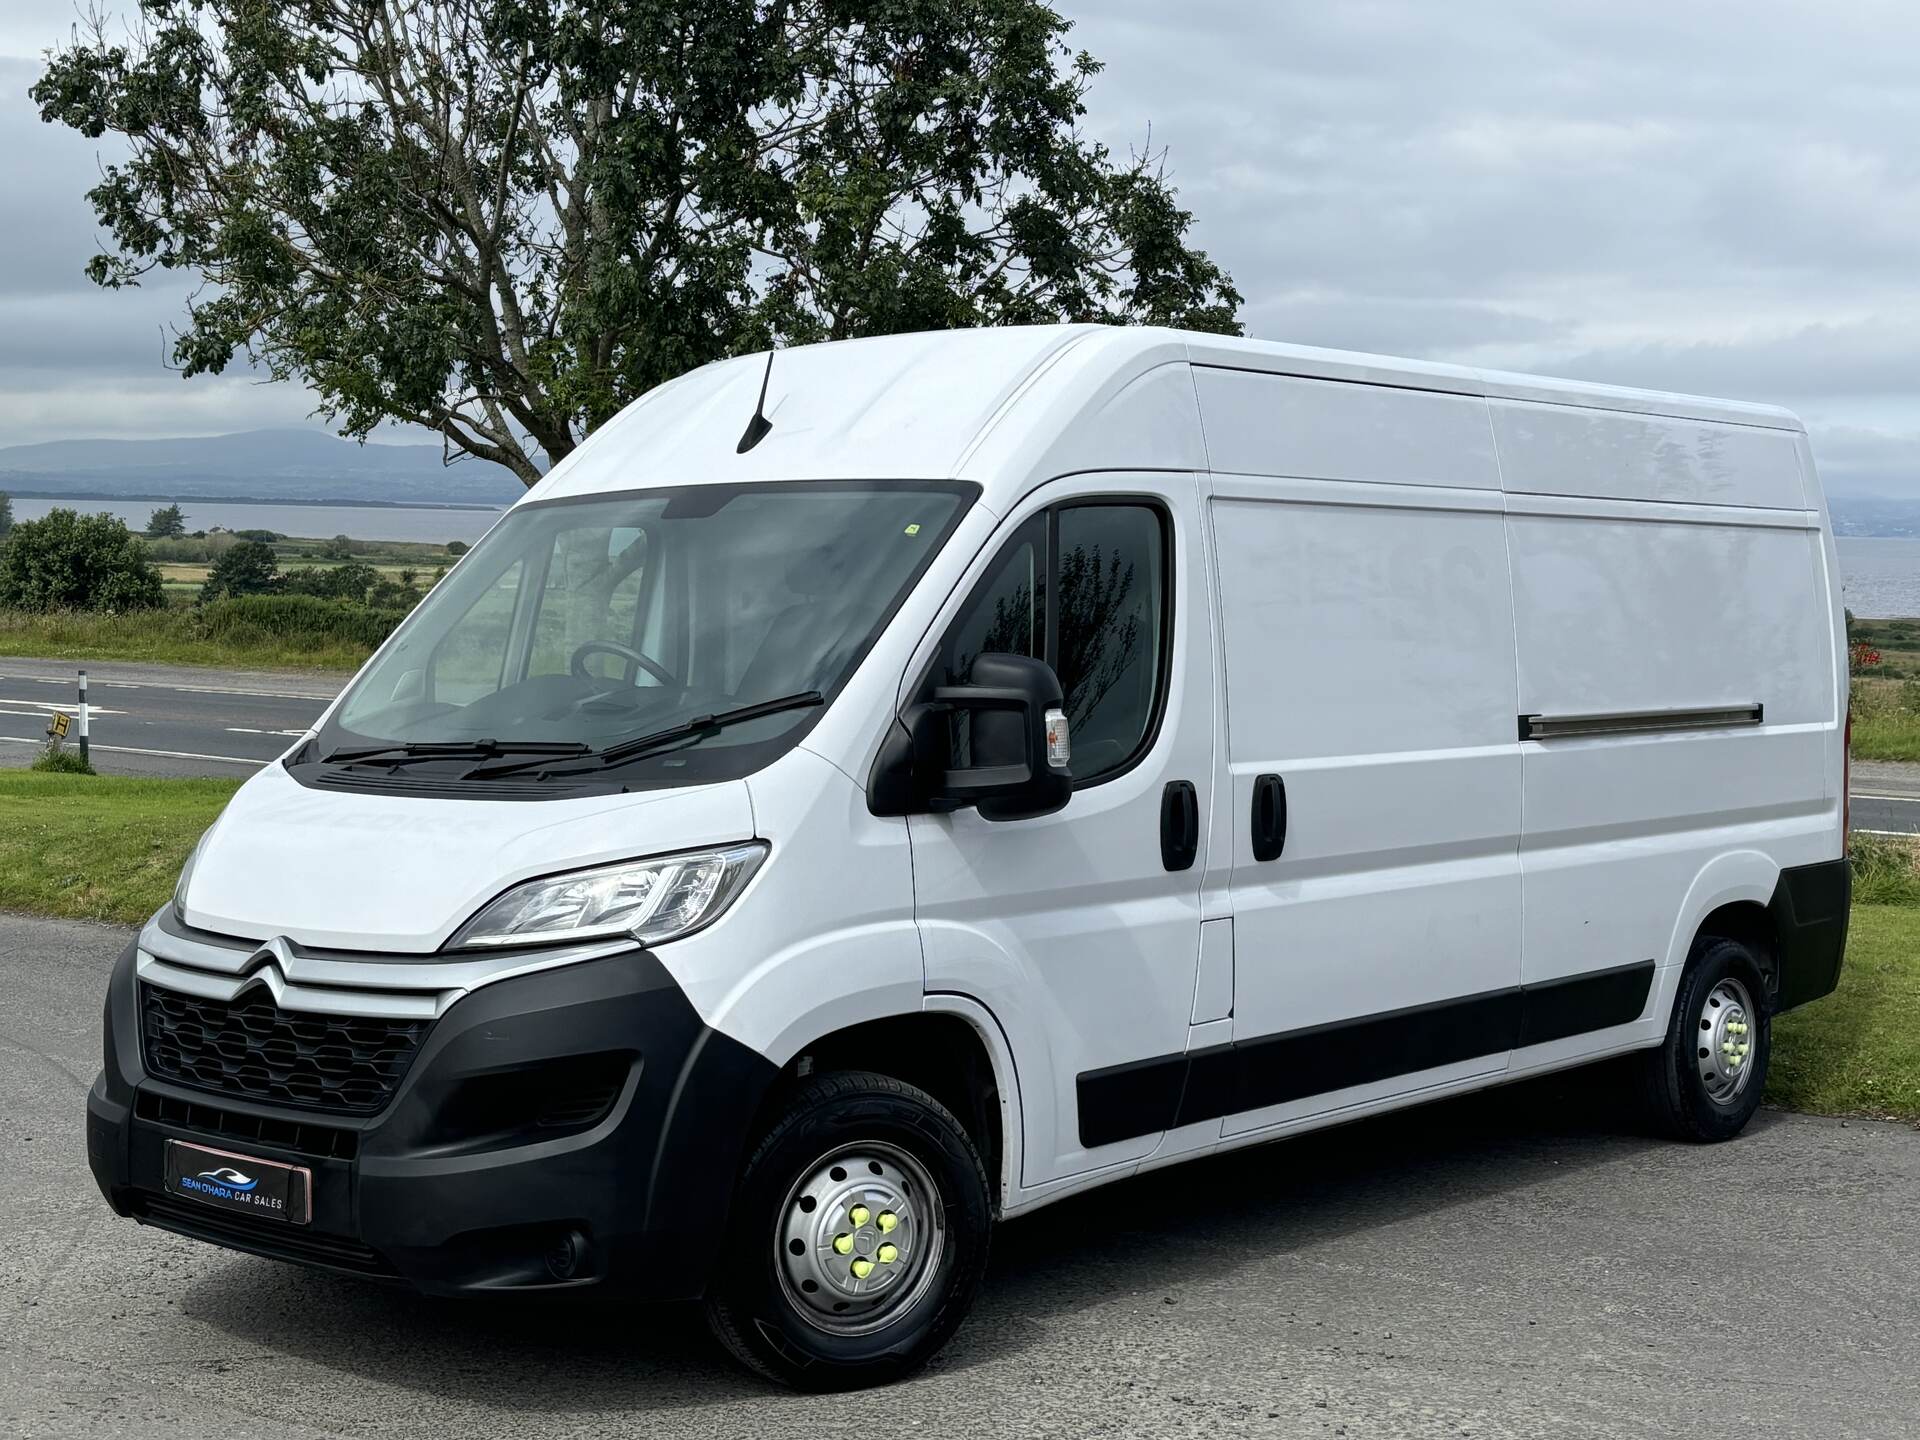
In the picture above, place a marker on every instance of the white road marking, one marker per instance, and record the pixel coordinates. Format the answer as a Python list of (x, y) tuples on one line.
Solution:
[(48, 705), (96, 682), (1870, 795), (244, 730), (163, 754)]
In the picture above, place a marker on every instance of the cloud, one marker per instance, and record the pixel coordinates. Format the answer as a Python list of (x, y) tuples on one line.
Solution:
[(1719, 197)]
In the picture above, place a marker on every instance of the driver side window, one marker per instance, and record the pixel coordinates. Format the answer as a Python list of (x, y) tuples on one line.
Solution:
[(1083, 587)]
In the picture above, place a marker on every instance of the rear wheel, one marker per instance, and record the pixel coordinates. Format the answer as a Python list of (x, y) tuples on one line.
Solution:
[(858, 1238), (1705, 1081)]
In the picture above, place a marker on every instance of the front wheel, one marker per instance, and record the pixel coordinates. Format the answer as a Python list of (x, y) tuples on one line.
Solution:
[(858, 1237), (1705, 1080)]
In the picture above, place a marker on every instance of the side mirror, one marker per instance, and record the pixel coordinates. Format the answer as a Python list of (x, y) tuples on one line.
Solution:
[(1018, 741)]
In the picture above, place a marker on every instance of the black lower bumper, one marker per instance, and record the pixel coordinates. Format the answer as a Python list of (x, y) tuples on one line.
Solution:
[(1810, 906), (456, 1185)]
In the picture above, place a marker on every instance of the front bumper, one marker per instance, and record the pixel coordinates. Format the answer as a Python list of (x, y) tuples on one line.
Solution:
[(428, 1190)]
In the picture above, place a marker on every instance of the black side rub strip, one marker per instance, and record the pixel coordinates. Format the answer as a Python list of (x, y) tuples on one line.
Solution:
[(1147, 1096), (1639, 722)]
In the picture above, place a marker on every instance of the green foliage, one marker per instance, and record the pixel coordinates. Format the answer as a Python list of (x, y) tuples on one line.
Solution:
[(166, 523), (192, 549), (248, 568), (6, 515), (601, 194), (454, 547), (73, 561), (57, 761), (340, 582), (265, 537), (266, 620), (1886, 870), (338, 548)]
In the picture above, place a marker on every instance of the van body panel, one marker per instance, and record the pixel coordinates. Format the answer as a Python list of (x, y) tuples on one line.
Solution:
[(1069, 927), (1368, 666), (355, 870), (807, 953), (1329, 430), (1574, 450)]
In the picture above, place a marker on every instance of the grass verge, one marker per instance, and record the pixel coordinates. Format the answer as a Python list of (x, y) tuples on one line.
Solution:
[(241, 634), (90, 847), (1857, 1052)]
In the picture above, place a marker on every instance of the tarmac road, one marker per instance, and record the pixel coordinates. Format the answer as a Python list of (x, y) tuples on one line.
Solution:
[(1516, 1265), (162, 719)]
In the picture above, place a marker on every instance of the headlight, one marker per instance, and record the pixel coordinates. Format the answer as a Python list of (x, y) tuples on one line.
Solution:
[(186, 875), (652, 900)]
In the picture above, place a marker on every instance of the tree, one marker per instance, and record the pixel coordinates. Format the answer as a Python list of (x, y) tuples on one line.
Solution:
[(455, 548), (338, 582), (503, 219), (6, 516), (166, 523), (70, 561), (248, 568), (338, 548)]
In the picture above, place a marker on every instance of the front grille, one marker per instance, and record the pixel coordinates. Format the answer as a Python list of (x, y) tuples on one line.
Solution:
[(302, 1137), (281, 1242), (249, 1046)]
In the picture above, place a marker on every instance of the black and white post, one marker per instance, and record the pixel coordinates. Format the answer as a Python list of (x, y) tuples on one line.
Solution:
[(83, 717)]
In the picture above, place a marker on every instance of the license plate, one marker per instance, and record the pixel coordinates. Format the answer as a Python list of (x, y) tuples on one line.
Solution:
[(245, 1184)]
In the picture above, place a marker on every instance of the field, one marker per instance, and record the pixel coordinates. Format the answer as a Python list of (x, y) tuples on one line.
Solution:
[(100, 848), (1886, 693), (184, 563)]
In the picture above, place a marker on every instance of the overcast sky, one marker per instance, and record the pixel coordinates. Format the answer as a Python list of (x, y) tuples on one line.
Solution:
[(1706, 195)]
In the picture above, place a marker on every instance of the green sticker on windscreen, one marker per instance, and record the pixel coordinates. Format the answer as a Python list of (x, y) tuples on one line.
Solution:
[(913, 529)]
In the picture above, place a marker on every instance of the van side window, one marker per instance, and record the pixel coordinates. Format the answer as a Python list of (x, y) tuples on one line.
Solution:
[(1082, 587), (1109, 612)]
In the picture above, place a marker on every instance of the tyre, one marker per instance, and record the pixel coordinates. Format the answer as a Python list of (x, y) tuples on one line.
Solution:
[(858, 1236), (1705, 1080)]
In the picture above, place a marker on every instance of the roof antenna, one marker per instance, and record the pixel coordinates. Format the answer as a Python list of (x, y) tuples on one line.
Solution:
[(759, 425)]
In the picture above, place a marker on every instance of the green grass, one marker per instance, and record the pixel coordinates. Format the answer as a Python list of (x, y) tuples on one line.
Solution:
[(61, 762), (1888, 735), (98, 847), (178, 636), (1857, 1052)]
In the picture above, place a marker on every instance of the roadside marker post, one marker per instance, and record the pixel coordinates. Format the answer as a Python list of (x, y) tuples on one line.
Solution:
[(83, 717)]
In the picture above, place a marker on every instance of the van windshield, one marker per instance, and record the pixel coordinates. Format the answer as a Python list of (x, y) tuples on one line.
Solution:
[(577, 626)]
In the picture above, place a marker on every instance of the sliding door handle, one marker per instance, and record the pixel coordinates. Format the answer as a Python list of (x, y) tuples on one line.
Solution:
[(1179, 825), (1269, 817)]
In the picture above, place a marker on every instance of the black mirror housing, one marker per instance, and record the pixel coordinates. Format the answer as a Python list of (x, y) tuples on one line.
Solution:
[(1012, 776)]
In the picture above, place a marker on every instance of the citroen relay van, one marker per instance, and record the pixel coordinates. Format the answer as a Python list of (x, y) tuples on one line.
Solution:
[(875, 790)]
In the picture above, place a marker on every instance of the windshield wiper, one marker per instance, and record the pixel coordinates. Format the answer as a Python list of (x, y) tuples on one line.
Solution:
[(699, 727), (408, 751)]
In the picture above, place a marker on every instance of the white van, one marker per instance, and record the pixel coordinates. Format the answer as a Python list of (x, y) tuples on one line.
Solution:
[(881, 788)]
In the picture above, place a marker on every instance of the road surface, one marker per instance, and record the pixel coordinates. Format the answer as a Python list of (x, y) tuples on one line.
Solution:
[(162, 719), (174, 720), (1518, 1265)]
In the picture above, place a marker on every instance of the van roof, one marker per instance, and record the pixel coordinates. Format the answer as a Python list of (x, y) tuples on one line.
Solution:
[(1003, 406)]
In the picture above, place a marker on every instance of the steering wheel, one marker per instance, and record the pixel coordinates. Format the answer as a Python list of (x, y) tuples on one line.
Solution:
[(612, 647)]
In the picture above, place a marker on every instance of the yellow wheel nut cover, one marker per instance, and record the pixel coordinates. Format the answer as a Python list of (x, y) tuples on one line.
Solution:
[(887, 1221), (843, 1244), (887, 1254), (859, 1215), (862, 1268)]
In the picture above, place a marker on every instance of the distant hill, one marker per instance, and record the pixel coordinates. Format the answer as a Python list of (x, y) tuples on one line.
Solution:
[(254, 465)]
